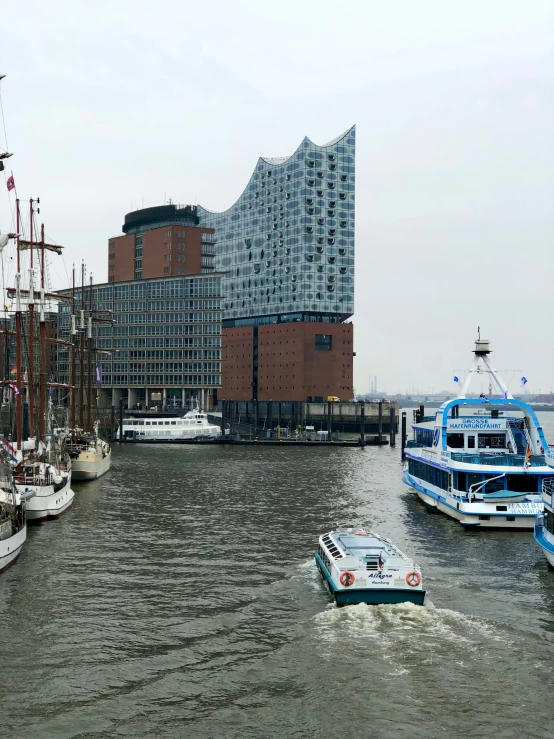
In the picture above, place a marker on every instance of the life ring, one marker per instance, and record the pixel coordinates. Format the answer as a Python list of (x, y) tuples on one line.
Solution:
[(347, 579), (361, 532), (413, 579)]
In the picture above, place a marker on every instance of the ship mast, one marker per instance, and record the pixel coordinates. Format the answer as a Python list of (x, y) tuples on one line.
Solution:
[(42, 334), (73, 368), (89, 360), (31, 351), (19, 398), (82, 350)]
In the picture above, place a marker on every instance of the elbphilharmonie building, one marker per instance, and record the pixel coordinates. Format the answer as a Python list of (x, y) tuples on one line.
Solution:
[(286, 246), (286, 253)]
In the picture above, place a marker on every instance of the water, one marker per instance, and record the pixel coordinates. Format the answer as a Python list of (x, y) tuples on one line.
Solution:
[(179, 599)]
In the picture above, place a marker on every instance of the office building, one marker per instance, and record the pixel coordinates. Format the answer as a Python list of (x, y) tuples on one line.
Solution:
[(158, 242), (164, 347), (286, 253)]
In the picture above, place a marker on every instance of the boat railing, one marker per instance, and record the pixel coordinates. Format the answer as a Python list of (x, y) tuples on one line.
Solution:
[(498, 460), (411, 444), (34, 480), (548, 485)]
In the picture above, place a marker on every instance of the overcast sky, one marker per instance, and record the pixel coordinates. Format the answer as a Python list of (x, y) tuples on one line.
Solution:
[(109, 106)]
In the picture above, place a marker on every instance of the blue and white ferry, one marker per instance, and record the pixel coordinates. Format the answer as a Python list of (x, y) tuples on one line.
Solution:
[(362, 567), (481, 460), (544, 524)]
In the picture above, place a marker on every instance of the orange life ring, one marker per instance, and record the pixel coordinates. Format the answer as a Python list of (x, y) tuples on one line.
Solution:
[(413, 579), (361, 532), (347, 579)]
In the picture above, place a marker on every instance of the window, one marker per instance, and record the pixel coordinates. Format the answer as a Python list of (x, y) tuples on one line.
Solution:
[(138, 275), (323, 342)]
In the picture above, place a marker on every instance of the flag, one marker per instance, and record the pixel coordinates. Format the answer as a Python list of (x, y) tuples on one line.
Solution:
[(98, 373), (524, 381), (13, 370), (14, 389), (457, 380), (528, 456), (10, 183), (51, 389)]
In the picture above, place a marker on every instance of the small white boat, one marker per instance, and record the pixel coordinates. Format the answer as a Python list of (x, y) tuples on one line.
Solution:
[(193, 425), (362, 567), (13, 526), (47, 487), (91, 456)]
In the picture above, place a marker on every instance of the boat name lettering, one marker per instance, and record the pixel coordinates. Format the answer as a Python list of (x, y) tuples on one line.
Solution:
[(529, 508), (378, 576), (445, 457), (476, 423)]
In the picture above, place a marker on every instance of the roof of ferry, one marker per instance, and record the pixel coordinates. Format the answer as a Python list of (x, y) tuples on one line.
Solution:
[(357, 545)]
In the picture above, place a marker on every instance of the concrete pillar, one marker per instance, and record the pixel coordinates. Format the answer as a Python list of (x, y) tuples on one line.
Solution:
[(203, 398), (164, 398), (133, 397), (116, 396)]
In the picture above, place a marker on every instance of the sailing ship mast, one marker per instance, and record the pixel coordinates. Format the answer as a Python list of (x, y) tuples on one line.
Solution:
[(19, 396)]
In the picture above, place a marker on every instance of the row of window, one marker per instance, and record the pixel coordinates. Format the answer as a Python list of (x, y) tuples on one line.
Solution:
[(161, 380), (432, 475)]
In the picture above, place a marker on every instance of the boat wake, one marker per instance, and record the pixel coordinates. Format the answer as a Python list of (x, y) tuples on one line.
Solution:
[(407, 627)]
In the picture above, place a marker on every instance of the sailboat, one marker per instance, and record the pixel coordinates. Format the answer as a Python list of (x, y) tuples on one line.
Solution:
[(13, 525), (91, 455)]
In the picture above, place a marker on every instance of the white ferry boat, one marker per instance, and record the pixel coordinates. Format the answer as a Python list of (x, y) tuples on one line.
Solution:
[(481, 460), (362, 567), (191, 426), (13, 526), (544, 523)]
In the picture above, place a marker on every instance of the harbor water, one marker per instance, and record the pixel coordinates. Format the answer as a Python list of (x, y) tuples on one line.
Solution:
[(179, 598)]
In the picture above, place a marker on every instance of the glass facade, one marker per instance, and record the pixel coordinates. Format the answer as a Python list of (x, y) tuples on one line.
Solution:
[(287, 245), (166, 333)]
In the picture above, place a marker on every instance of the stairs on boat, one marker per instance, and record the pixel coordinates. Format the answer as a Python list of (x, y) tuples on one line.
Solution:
[(519, 437)]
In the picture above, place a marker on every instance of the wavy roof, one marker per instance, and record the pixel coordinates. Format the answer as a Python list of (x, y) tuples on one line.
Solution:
[(281, 160)]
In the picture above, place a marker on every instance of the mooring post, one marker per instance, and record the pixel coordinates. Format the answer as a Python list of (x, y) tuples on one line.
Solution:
[(328, 421), (112, 427), (392, 421), (380, 427), (362, 423), (121, 437), (223, 419), (231, 419), (403, 433), (421, 413)]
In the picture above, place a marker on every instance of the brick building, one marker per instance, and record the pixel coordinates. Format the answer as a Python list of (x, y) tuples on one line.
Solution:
[(159, 242)]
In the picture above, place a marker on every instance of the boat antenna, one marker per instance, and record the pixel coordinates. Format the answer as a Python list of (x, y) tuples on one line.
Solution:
[(479, 332)]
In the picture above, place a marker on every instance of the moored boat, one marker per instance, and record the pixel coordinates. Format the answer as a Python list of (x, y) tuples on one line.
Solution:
[(90, 454), (193, 425), (544, 523), (481, 460), (362, 567), (13, 526)]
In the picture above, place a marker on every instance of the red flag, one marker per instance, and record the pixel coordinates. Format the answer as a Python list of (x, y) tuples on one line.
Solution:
[(10, 183)]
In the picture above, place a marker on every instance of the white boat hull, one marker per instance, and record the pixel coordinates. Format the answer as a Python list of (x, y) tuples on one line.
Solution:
[(10, 548), (89, 466), (47, 502), (480, 515)]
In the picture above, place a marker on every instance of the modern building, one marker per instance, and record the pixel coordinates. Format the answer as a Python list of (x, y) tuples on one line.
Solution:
[(286, 252), (161, 241), (164, 347)]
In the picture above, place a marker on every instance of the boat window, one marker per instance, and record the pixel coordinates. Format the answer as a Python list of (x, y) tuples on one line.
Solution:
[(492, 441), (455, 441), (147, 423), (471, 442), (484, 518), (174, 423), (523, 483)]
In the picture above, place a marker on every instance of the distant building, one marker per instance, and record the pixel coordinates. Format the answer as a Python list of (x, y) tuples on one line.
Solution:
[(161, 241), (164, 347), (286, 252)]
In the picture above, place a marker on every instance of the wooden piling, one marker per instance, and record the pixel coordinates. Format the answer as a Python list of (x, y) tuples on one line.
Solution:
[(392, 433), (112, 426), (121, 437), (380, 427), (362, 423), (403, 445)]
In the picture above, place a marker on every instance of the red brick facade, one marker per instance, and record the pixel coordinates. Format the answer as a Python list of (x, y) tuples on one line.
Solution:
[(168, 250), (295, 361)]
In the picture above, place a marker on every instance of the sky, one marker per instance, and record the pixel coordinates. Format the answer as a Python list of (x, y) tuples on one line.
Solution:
[(112, 106)]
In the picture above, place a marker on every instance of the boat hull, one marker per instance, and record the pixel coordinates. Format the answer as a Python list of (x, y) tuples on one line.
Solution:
[(545, 540), (370, 596), (47, 502), (90, 466), (10, 548), (475, 515)]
